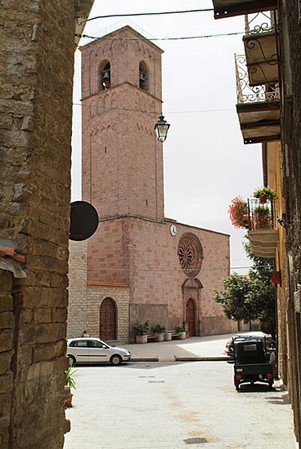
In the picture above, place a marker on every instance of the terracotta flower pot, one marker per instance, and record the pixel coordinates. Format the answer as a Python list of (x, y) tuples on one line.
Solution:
[(262, 198), (182, 335), (68, 400), (167, 336), (159, 337), (141, 339)]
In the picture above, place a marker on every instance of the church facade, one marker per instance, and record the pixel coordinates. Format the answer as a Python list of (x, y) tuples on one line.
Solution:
[(139, 265)]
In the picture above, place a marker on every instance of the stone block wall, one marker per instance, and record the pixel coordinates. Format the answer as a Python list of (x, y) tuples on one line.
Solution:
[(290, 31), (77, 307), (120, 295), (36, 79), (7, 326)]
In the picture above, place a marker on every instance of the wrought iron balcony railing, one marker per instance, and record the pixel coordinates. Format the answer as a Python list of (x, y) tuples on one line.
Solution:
[(261, 49), (261, 22), (261, 216), (267, 93)]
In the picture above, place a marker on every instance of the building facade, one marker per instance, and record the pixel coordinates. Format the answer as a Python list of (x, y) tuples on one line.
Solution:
[(269, 111), (37, 60), (140, 265)]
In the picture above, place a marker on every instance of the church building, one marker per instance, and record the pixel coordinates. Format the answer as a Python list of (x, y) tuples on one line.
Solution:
[(139, 265)]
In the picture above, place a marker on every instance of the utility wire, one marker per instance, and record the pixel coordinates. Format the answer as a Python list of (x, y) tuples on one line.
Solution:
[(86, 36), (148, 14)]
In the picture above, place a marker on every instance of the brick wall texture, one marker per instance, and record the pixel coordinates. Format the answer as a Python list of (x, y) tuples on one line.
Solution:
[(142, 274), (36, 57)]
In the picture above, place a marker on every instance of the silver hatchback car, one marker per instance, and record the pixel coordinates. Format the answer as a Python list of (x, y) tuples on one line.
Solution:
[(93, 350)]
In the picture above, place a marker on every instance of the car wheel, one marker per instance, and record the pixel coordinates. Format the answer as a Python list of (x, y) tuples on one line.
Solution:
[(72, 360), (115, 359)]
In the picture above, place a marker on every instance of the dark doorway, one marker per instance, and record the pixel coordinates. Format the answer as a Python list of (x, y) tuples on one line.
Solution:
[(107, 320), (190, 317)]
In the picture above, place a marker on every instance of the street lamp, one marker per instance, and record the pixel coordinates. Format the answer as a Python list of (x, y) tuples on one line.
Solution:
[(161, 128)]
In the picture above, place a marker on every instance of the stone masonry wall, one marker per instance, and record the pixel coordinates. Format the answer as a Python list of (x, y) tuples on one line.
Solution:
[(121, 296), (291, 142), (77, 308), (6, 354), (36, 57), (85, 300)]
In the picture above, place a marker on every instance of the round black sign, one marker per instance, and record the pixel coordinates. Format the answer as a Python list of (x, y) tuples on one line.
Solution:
[(83, 220)]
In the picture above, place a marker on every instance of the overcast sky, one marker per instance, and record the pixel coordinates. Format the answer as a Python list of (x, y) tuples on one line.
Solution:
[(206, 162)]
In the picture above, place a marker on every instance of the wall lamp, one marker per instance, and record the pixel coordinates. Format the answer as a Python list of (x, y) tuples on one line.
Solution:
[(281, 222), (162, 128)]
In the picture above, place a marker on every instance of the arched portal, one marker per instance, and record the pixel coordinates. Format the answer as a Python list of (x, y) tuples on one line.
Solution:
[(108, 320), (191, 317), (191, 290)]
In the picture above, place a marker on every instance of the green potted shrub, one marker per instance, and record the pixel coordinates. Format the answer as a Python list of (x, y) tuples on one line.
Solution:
[(264, 194), (69, 384), (180, 331), (159, 330), (262, 217), (141, 330)]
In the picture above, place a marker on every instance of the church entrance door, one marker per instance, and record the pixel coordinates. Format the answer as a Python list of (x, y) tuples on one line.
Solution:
[(107, 319), (190, 317)]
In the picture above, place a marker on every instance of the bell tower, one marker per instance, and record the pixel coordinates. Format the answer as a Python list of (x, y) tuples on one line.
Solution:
[(122, 160)]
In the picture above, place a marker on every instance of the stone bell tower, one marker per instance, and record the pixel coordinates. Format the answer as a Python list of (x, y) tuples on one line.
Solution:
[(122, 172), (138, 266)]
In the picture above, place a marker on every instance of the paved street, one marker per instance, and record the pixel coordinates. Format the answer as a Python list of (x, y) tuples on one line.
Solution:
[(169, 405)]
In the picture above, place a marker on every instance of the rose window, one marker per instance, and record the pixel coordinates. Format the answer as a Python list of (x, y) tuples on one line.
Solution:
[(190, 254)]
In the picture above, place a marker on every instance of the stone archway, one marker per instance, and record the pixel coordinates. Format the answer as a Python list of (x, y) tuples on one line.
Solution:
[(191, 291), (108, 319)]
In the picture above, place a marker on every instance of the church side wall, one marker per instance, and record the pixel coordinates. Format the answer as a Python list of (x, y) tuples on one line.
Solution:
[(144, 253), (157, 277), (77, 306)]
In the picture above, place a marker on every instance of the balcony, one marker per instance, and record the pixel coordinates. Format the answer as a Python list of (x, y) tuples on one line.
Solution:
[(230, 8), (261, 49), (258, 107), (263, 228)]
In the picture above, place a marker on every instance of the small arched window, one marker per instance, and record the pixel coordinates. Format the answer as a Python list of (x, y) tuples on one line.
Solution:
[(105, 76), (143, 76)]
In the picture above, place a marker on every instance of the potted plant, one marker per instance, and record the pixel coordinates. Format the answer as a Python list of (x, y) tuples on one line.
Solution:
[(141, 330), (159, 330), (180, 331), (262, 217), (238, 212), (69, 384), (167, 335), (264, 194)]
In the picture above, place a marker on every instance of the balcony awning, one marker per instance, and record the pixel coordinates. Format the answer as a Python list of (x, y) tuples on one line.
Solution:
[(259, 122), (264, 242), (230, 8)]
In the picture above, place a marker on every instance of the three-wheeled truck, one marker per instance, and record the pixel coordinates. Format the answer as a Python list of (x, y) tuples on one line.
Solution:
[(251, 364)]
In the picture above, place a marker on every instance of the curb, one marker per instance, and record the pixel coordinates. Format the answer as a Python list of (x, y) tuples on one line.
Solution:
[(181, 359), (202, 359), (144, 359)]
